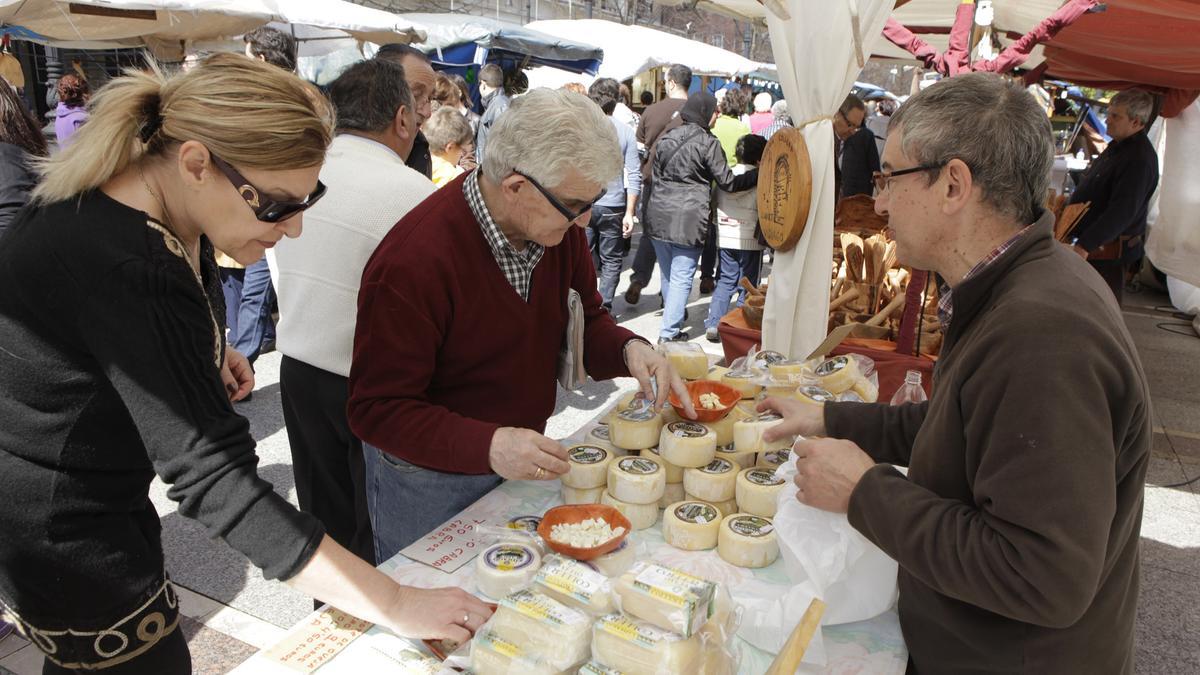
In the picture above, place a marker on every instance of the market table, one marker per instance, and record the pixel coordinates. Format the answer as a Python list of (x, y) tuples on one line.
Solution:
[(875, 646)]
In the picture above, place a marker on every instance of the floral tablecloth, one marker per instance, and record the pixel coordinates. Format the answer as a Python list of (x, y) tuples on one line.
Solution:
[(867, 647)]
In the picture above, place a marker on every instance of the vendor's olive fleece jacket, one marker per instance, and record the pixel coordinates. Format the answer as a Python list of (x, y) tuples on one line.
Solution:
[(1017, 527)]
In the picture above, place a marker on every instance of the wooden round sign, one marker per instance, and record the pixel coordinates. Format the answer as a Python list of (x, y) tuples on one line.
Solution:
[(784, 189)]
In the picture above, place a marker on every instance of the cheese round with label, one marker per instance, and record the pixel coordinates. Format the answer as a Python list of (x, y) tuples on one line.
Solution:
[(745, 381), (673, 493), (748, 434), (687, 444), (504, 568), (726, 508), (774, 459), (814, 395), (641, 516), (674, 473), (691, 526), (598, 435), (741, 460), (757, 490), (637, 480), (713, 482), (635, 429), (837, 374), (747, 541), (572, 495), (787, 370), (589, 466), (723, 428)]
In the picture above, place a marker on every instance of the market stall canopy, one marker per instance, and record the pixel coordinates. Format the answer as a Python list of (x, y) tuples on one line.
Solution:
[(166, 25), (630, 50), (452, 40)]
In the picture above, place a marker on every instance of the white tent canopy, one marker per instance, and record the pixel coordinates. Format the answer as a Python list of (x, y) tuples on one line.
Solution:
[(166, 25), (629, 50)]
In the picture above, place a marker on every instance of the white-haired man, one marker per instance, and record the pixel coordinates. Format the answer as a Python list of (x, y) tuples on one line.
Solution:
[(1017, 525), (1118, 185), (462, 312)]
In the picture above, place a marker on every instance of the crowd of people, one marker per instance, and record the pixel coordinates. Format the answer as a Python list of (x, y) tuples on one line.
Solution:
[(426, 226)]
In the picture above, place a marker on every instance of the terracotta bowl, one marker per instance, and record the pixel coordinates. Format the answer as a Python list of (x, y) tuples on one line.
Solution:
[(577, 513), (729, 398)]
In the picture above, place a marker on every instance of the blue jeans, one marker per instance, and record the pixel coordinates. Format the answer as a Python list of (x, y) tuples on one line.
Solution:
[(643, 260), (254, 325), (607, 245), (407, 502), (734, 265), (677, 263), (231, 288)]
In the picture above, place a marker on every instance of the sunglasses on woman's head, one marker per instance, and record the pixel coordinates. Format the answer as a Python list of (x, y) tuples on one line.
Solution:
[(266, 208)]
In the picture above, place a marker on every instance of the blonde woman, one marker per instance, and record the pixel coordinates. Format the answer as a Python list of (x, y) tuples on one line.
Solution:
[(113, 368)]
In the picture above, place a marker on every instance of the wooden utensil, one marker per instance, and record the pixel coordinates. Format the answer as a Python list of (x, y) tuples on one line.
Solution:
[(789, 658), (852, 248)]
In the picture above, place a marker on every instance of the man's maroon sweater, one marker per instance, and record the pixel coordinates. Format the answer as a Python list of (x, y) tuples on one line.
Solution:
[(446, 351)]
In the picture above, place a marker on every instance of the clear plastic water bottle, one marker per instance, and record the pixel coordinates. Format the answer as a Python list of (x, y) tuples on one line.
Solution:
[(911, 392)]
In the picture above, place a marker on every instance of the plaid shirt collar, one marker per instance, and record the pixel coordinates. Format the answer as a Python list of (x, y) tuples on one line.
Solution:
[(517, 266), (945, 293)]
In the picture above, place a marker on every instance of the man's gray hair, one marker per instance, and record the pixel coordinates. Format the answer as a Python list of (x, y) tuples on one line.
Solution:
[(1138, 104), (546, 132), (780, 109), (994, 126), (367, 95)]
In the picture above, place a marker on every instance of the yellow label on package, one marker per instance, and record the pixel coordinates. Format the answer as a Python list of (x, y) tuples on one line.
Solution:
[(680, 589), (499, 645), (639, 633), (571, 578), (542, 608)]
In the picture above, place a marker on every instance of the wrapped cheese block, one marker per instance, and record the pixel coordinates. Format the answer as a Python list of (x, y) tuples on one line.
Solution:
[(783, 388), (866, 390), (589, 466), (747, 541), (687, 444), (494, 655), (774, 459), (691, 526), (635, 429), (575, 584), (726, 508), (544, 627), (665, 597), (748, 434), (787, 370), (636, 647), (615, 563)]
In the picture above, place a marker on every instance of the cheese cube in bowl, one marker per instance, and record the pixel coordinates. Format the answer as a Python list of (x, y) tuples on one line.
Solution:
[(584, 531)]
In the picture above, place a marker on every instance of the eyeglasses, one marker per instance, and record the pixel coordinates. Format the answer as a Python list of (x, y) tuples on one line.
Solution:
[(570, 215), (883, 178), (852, 125), (266, 209)]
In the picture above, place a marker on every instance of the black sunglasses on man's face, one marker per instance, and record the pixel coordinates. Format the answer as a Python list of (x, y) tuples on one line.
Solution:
[(265, 208), (570, 215)]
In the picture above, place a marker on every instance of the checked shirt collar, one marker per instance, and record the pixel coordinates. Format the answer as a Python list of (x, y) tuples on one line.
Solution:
[(517, 266), (945, 293)]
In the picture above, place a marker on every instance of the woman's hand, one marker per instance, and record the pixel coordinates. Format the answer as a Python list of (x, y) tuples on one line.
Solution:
[(436, 614), (237, 375)]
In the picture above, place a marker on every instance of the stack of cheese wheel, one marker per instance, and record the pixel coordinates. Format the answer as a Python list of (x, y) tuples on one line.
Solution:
[(635, 486), (714, 483), (687, 444), (742, 459), (745, 381), (788, 370), (747, 540), (599, 436), (691, 525), (723, 428), (674, 490), (585, 481), (757, 491), (635, 428), (624, 401), (774, 459), (841, 374), (748, 434)]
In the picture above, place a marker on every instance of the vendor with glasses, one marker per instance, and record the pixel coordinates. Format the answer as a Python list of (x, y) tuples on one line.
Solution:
[(463, 309), (858, 153), (114, 368)]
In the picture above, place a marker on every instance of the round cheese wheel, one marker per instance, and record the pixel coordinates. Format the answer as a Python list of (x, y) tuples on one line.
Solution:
[(687, 444), (715, 373), (813, 394), (747, 541), (691, 526), (504, 568), (866, 390), (637, 480), (726, 508), (589, 466), (723, 428), (674, 473), (787, 370), (743, 410), (745, 381), (837, 374), (741, 460), (674, 493), (713, 482), (635, 429), (748, 434), (641, 516), (598, 435), (614, 563), (757, 489), (572, 495), (774, 459)]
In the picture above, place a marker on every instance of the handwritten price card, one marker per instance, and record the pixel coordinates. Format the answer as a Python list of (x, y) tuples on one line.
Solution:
[(450, 546), (315, 642)]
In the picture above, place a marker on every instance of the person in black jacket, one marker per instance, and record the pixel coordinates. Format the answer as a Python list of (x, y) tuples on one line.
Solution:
[(1118, 185), (21, 140), (687, 161), (859, 159)]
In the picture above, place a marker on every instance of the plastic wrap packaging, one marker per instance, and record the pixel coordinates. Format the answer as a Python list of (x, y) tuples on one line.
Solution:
[(849, 373), (519, 530), (494, 655), (674, 601), (505, 568), (743, 376), (630, 646), (575, 584), (615, 563), (545, 629), (687, 358)]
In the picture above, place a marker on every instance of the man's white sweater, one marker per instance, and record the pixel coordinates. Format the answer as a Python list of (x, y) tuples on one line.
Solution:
[(317, 275)]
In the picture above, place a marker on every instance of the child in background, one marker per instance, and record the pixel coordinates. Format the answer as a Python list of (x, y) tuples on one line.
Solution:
[(449, 135), (740, 251)]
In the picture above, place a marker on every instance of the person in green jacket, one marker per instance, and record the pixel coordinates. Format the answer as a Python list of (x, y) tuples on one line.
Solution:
[(729, 126)]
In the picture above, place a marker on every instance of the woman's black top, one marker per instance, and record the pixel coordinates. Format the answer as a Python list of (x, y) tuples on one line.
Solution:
[(110, 346)]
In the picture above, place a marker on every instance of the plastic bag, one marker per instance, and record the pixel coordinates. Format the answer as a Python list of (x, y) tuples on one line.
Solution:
[(687, 358), (854, 577), (575, 585)]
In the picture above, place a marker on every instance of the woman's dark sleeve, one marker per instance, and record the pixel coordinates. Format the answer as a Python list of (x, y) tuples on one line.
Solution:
[(722, 175)]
